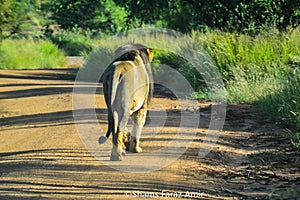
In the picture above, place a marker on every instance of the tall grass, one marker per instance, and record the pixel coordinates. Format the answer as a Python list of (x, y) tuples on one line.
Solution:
[(251, 65), (263, 70), (30, 54), (283, 104)]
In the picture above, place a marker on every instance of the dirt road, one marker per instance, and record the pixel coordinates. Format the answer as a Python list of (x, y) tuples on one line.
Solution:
[(42, 155)]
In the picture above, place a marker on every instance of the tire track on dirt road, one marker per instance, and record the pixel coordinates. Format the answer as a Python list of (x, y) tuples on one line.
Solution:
[(42, 156)]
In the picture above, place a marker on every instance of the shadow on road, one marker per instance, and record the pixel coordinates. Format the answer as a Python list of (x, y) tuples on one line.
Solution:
[(248, 161)]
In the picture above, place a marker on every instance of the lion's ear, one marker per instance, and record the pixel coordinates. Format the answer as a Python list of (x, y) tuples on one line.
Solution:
[(150, 54)]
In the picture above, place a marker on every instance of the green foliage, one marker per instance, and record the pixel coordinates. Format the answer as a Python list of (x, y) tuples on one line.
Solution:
[(259, 14), (74, 42), (111, 16), (24, 19), (29, 54), (6, 15), (296, 140), (243, 16), (96, 14)]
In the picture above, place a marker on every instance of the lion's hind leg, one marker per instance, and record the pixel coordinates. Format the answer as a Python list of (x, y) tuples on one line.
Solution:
[(126, 139), (138, 118), (118, 150)]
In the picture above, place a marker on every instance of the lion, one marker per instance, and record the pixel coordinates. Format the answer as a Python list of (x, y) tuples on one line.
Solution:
[(128, 88)]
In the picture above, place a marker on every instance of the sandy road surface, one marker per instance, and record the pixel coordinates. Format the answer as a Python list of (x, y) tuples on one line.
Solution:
[(42, 156)]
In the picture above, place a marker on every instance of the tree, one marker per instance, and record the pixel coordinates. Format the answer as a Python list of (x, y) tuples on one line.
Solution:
[(244, 15), (17, 16), (6, 15), (86, 14)]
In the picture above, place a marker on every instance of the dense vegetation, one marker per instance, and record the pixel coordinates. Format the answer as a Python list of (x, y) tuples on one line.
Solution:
[(111, 16), (255, 44)]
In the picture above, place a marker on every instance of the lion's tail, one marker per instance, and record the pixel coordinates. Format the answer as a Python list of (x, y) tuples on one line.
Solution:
[(112, 116)]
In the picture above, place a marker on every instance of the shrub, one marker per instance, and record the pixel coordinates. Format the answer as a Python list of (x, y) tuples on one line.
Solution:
[(74, 43)]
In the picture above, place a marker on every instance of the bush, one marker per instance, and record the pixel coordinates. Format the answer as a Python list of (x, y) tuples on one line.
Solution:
[(74, 43), (29, 54), (106, 16)]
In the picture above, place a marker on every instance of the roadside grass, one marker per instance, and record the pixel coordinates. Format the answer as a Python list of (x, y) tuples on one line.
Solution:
[(242, 58), (263, 70), (30, 54), (283, 105)]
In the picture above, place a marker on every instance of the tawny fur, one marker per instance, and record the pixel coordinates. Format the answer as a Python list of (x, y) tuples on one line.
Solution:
[(128, 87)]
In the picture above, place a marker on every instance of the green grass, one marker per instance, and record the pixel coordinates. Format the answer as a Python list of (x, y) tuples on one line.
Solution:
[(283, 105), (30, 54), (263, 70), (242, 56), (286, 97)]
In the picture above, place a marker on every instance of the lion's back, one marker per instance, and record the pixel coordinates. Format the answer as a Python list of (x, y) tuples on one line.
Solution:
[(133, 84)]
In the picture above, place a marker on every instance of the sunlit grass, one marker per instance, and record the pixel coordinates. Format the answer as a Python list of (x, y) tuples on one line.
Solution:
[(30, 54), (263, 70)]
